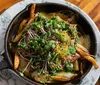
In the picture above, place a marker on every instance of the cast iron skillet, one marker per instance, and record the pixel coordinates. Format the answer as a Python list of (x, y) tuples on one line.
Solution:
[(48, 7)]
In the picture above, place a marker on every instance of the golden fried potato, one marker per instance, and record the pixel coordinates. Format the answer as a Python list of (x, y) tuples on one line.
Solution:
[(16, 61), (64, 76), (86, 55)]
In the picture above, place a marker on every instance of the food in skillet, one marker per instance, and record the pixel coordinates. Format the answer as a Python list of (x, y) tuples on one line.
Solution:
[(48, 50)]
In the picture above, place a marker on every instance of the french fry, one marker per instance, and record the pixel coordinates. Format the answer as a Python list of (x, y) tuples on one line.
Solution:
[(17, 38), (63, 76), (16, 61), (83, 48), (87, 56), (32, 12), (81, 68), (23, 23), (60, 78), (76, 65)]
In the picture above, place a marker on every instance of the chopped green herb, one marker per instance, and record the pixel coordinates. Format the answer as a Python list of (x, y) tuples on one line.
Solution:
[(72, 49), (68, 67)]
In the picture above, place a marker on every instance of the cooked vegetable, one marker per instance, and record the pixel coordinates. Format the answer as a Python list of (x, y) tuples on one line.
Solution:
[(76, 65), (42, 78), (87, 56), (81, 68), (16, 39), (72, 49), (63, 76), (23, 23), (16, 61), (82, 47), (68, 67), (48, 47)]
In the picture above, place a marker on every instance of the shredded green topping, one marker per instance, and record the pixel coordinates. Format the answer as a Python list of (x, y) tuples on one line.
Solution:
[(48, 41)]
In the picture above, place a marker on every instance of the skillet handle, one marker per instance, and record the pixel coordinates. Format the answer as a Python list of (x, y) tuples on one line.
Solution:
[(3, 63)]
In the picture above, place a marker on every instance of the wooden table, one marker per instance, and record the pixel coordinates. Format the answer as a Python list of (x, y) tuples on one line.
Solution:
[(91, 7)]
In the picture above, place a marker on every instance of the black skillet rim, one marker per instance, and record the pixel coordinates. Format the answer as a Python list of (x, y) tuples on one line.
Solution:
[(7, 32)]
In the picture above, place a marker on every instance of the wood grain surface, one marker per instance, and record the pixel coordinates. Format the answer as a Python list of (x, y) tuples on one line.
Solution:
[(4, 4), (91, 7)]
